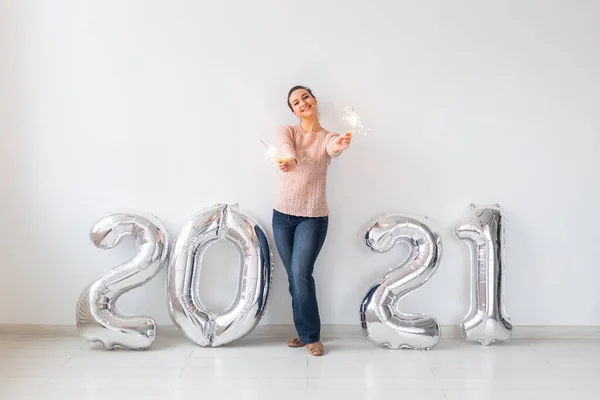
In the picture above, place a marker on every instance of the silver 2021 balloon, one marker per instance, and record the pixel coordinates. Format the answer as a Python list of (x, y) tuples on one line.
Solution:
[(220, 222), (482, 228), (381, 320), (98, 319)]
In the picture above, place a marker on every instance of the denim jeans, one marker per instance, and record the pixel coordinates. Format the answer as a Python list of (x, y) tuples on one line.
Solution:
[(299, 241)]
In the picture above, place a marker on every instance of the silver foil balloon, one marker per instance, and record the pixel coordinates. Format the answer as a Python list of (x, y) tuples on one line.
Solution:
[(98, 319), (482, 228), (220, 222), (381, 320)]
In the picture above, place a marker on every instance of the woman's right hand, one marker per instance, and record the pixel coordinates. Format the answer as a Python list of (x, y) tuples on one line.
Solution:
[(286, 164)]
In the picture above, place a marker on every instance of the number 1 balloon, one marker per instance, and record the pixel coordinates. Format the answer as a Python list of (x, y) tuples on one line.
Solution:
[(482, 228)]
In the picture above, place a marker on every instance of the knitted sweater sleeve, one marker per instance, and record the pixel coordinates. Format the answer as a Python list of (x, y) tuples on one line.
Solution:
[(285, 143), (329, 144)]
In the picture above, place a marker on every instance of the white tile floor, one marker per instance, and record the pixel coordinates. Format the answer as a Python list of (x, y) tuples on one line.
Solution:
[(259, 367)]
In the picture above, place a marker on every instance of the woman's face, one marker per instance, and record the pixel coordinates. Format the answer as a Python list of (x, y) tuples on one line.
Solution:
[(303, 104)]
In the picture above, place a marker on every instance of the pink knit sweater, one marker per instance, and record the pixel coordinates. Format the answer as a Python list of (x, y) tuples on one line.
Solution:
[(303, 192)]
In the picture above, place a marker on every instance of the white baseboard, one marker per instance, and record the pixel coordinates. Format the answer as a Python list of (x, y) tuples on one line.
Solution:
[(448, 331)]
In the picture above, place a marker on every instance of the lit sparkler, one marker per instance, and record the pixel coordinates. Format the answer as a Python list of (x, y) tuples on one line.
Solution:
[(271, 152), (354, 122)]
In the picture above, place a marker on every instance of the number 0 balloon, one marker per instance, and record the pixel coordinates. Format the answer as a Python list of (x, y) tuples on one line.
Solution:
[(220, 222), (381, 321)]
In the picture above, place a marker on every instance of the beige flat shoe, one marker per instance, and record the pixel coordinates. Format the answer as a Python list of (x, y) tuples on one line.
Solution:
[(316, 349), (295, 342)]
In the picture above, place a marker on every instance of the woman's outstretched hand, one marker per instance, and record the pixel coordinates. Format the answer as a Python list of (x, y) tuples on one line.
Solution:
[(286, 164), (342, 142)]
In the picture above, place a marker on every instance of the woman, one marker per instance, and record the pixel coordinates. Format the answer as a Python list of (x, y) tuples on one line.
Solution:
[(300, 217)]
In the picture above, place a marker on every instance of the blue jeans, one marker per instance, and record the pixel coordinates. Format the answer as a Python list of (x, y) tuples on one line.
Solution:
[(299, 241)]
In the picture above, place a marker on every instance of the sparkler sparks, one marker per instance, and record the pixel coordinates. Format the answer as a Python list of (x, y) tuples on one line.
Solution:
[(271, 153), (354, 122)]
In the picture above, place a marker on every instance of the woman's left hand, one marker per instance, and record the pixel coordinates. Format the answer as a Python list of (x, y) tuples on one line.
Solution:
[(342, 142)]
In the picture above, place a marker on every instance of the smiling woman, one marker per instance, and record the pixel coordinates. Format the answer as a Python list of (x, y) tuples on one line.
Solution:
[(301, 213)]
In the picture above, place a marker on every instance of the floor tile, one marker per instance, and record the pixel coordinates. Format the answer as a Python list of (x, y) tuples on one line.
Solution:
[(263, 367)]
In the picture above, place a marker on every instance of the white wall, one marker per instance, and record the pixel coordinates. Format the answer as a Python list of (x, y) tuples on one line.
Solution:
[(160, 106)]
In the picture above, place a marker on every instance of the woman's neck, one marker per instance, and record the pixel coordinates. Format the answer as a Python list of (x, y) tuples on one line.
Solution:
[(310, 125)]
